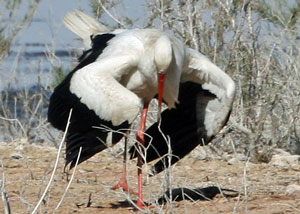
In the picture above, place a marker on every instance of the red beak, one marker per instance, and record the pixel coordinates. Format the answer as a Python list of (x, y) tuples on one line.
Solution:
[(161, 78)]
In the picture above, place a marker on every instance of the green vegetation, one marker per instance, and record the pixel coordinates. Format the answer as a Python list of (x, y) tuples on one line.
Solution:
[(59, 74), (14, 24)]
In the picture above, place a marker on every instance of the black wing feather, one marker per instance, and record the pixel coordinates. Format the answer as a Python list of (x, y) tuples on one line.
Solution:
[(184, 125), (92, 142), (81, 132)]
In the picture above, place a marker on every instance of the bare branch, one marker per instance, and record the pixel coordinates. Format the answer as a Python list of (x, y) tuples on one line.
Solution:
[(111, 16), (71, 179), (4, 197), (55, 165)]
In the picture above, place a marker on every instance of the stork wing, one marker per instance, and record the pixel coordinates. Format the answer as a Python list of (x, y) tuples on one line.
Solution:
[(98, 88), (180, 124), (205, 102), (201, 70), (97, 98)]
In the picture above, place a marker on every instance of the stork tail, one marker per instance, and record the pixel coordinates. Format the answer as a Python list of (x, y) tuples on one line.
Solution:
[(83, 25)]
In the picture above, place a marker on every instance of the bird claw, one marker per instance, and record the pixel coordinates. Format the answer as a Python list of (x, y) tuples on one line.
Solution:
[(124, 185), (141, 205)]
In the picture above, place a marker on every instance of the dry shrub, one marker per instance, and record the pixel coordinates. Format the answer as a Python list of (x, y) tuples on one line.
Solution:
[(257, 43)]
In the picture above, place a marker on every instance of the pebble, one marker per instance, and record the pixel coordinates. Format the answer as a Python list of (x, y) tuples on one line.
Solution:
[(284, 161), (16, 156), (293, 190)]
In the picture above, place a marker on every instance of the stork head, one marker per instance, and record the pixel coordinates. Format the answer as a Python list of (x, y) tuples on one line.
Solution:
[(162, 57), (163, 53)]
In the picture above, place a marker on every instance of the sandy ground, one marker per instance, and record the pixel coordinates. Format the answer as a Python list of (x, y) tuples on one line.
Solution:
[(27, 170)]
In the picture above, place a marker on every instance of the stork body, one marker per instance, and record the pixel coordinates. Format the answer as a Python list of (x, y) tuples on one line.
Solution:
[(124, 76), (117, 78)]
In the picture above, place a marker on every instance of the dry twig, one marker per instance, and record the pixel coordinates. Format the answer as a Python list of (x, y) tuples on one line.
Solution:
[(69, 184), (55, 165), (4, 197)]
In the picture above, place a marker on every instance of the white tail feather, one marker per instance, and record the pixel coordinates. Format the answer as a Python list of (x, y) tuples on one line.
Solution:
[(83, 25)]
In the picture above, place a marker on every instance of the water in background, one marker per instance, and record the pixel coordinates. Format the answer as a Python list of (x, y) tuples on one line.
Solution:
[(28, 63), (25, 76)]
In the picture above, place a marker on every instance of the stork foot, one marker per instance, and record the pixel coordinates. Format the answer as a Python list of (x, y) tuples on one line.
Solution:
[(124, 185), (140, 204)]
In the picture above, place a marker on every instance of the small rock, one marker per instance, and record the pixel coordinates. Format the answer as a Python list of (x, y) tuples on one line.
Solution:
[(278, 151), (293, 190), (241, 157), (295, 167), (232, 161), (79, 204), (16, 156), (284, 161), (237, 158)]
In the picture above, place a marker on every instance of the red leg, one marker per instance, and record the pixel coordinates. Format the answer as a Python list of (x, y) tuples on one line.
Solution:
[(123, 180), (141, 140)]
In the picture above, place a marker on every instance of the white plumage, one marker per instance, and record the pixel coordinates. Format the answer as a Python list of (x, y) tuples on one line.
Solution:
[(97, 84), (116, 80), (133, 58)]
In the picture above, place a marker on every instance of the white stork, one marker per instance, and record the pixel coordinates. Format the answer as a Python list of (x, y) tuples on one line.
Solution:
[(117, 78)]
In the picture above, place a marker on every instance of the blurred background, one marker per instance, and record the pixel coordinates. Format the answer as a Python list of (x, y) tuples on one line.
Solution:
[(257, 42)]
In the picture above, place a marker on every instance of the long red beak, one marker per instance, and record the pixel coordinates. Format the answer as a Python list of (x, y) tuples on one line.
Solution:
[(161, 78)]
